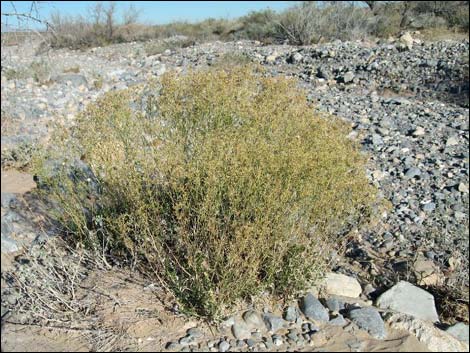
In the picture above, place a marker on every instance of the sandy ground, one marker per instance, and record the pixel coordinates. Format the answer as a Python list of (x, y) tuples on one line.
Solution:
[(16, 182)]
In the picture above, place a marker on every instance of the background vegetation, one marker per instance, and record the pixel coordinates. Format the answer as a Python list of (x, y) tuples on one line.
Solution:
[(304, 23)]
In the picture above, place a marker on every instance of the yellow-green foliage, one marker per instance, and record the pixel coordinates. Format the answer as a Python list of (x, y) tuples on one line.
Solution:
[(225, 185), (160, 46)]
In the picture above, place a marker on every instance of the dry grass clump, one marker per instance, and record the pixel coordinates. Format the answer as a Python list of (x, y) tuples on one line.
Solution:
[(221, 183)]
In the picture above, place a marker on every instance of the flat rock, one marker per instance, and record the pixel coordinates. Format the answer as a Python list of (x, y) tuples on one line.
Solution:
[(339, 284), (334, 304), (452, 141), (369, 320), (409, 299)]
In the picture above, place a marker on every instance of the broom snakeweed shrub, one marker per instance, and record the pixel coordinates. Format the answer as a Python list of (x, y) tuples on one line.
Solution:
[(222, 184)]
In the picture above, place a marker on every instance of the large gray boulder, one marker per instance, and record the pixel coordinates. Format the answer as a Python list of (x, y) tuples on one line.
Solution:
[(409, 299)]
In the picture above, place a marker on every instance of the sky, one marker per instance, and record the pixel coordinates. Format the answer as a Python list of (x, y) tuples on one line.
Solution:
[(151, 12)]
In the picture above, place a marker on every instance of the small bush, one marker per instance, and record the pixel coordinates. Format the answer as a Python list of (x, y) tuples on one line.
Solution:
[(154, 48), (258, 25), (232, 59), (16, 74), (39, 70), (220, 183), (72, 69), (18, 157)]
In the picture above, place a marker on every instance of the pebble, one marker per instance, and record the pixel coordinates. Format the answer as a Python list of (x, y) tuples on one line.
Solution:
[(195, 332), (313, 309), (291, 314), (273, 323), (412, 173), (224, 346), (184, 341)]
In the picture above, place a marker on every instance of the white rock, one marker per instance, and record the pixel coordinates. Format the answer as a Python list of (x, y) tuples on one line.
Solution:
[(435, 339), (463, 188), (419, 131), (271, 58), (407, 40), (452, 141), (342, 285)]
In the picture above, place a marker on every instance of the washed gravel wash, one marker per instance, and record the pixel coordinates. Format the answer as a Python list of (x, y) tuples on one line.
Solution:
[(407, 105)]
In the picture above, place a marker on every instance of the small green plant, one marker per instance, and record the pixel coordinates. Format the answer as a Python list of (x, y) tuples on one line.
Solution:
[(72, 69), (232, 59), (18, 74), (40, 71), (222, 184), (160, 46), (18, 157), (98, 82)]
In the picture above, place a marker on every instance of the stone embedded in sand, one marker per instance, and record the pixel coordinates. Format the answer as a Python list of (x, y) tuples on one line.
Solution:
[(435, 339), (369, 320), (195, 332), (241, 330)]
